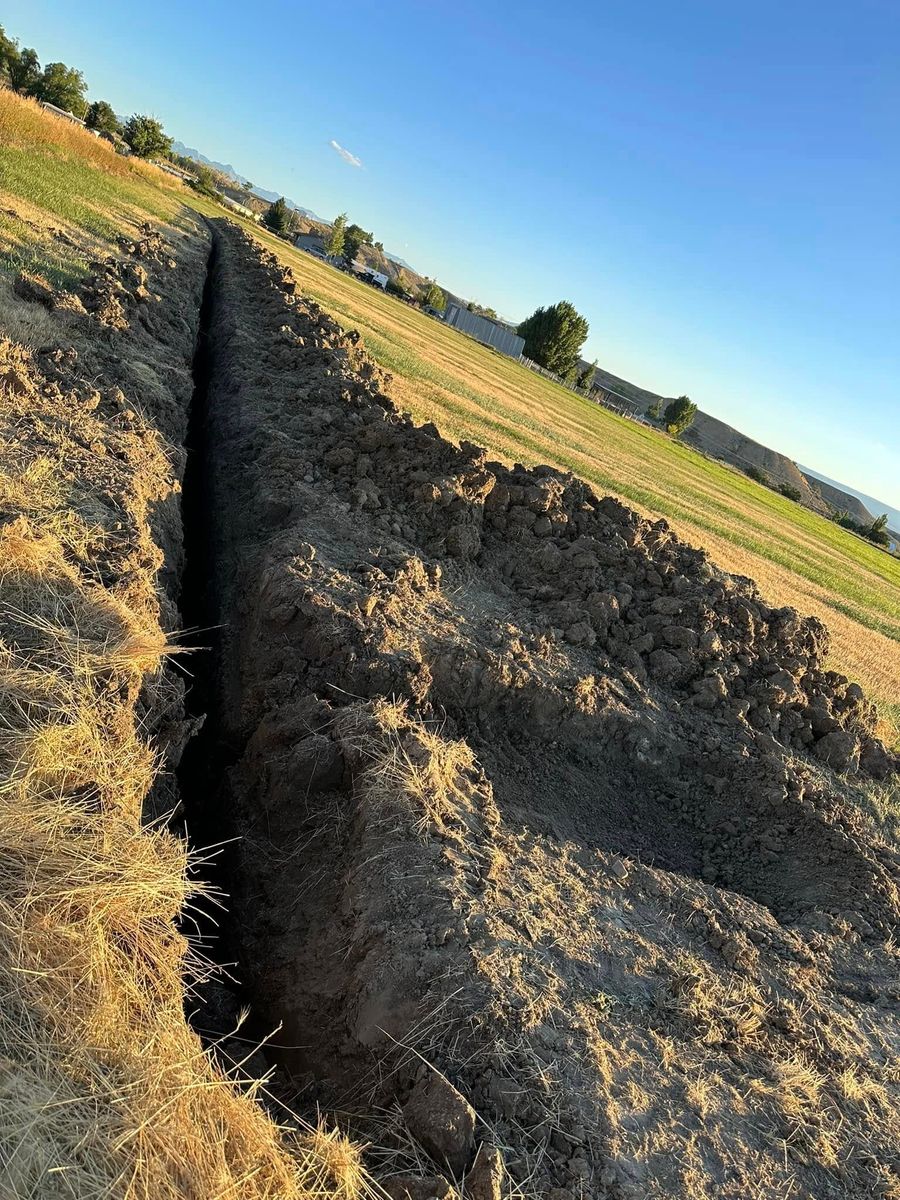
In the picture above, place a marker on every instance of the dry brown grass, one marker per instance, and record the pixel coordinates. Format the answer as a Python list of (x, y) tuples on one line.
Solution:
[(412, 770), (23, 122), (106, 1091)]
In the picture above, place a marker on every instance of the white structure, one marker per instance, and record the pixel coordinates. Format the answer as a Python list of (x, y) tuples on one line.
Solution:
[(376, 277)]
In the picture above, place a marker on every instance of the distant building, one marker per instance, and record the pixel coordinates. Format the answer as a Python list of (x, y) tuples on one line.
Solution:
[(314, 242), (484, 330), (61, 112), (235, 206), (171, 169)]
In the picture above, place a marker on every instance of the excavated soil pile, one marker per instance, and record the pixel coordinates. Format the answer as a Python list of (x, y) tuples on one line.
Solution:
[(538, 810)]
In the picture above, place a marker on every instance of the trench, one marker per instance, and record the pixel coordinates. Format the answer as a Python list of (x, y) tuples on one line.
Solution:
[(209, 753)]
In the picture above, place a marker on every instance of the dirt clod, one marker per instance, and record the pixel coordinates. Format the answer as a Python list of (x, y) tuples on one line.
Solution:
[(442, 1120), (485, 1179)]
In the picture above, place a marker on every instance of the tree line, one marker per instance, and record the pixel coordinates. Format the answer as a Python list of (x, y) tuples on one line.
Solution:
[(65, 88)]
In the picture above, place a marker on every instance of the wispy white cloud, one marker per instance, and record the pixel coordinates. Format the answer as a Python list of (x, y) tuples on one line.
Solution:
[(345, 154)]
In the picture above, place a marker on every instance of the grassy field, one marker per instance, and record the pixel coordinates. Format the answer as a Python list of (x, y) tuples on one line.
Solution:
[(470, 392)]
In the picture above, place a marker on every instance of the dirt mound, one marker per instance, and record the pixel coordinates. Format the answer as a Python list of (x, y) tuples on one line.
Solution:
[(528, 789)]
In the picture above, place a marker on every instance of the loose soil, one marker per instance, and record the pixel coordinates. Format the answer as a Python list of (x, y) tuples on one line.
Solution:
[(547, 862), (531, 799)]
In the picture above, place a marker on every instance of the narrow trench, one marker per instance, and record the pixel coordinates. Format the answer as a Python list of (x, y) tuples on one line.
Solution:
[(207, 755), (202, 773)]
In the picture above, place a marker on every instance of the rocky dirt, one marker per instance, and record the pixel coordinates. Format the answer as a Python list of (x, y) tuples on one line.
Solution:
[(549, 858)]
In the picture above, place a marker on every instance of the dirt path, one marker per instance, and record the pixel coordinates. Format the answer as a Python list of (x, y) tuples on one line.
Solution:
[(536, 808)]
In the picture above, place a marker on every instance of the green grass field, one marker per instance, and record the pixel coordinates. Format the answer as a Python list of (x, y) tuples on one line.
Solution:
[(51, 177)]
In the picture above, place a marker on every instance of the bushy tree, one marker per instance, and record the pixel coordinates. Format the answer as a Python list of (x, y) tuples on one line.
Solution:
[(679, 415), (9, 53), (355, 237), (554, 337), (654, 412), (24, 71), (145, 137), (278, 216), (334, 243), (433, 297), (100, 116), (586, 377), (62, 86), (877, 532)]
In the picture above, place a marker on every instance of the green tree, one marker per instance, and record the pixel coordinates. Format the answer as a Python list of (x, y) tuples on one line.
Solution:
[(9, 53), (334, 242), (355, 237), (145, 137), (433, 297), (481, 311), (100, 116), (877, 532), (278, 216), (586, 377), (554, 337), (24, 71), (62, 86), (679, 415), (654, 412)]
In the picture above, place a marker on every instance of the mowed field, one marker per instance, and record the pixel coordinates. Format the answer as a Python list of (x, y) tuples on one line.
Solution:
[(52, 179)]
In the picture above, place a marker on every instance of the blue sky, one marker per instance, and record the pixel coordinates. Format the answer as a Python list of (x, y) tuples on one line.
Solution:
[(714, 185)]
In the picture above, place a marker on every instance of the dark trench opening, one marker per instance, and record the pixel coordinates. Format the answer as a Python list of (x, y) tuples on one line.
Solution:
[(207, 756), (218, 1006)]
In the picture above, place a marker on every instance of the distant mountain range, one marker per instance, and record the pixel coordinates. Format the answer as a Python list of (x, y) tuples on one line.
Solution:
[(228, 169)]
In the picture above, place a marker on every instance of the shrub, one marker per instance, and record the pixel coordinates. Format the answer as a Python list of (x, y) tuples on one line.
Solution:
[(204, 180), (434, 297), (791, 492), (586, 378), (758, 474)]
